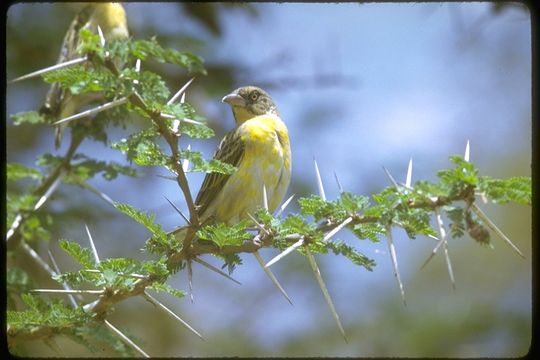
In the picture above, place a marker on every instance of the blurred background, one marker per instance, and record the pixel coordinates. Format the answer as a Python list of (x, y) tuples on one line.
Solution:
[(360, 86)]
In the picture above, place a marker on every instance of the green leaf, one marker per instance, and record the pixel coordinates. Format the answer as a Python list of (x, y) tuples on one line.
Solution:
[(341, 248), (222, 234), (515, 189), (142, 149), (194, 131), (82, 255), (147, 220), (88, 168), (369, 231), (456, 216), (17, 171), (199, 164), (143, 49), (28, 117), (168, 289)]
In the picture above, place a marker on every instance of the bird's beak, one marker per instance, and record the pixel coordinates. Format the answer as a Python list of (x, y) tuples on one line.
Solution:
[(234, 99)]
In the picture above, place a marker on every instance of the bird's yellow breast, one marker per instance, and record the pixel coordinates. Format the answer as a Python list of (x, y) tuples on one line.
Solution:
[(266, 163)]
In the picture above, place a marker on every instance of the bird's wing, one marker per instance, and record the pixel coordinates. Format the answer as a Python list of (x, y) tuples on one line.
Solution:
[(56, 95), (230, 151)]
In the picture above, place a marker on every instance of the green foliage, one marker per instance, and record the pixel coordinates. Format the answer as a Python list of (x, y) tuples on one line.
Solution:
[(194, 131), (28, 117), (222, 234), (199, 164), (81, 255), (16, 172), (142, 149), (370, 231), (168, 289), (515, 189), (341, 248), (147, 220)]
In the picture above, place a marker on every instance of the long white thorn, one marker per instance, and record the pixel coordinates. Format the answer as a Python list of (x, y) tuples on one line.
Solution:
[(494, 227), (185, 162), (180, 92), (319, 181), (64, 285), (433, 252), (92, 245), (392, 180), (444, 240), (408, 179), (68, 291), (467, 155), (99, 193), (337, 228), (338, 183), (156, 302), (101, 36), (190, 280), (50, 190), (183, 98), (393, 255), (285, 252), (49, 69), (177, 210), (259, 226), (271, 276), (265, 197), (125, 339), (95, 110), (324, 290), (215, 269), (284, 206)]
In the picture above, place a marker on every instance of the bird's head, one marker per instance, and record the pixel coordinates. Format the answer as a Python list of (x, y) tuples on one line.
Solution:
[(111, 17), (248, 102)]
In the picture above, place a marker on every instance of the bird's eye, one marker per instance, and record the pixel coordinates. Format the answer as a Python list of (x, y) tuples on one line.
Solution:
[(254, 96)]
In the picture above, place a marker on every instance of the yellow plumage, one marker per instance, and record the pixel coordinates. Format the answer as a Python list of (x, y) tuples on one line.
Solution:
[(259, 148)]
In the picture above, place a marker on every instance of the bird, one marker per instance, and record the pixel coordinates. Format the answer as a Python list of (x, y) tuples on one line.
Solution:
[(259, 148), (111, 18)]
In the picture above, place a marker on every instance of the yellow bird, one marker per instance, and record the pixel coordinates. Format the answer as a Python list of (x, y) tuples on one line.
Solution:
[(259, 148), (111, 18)]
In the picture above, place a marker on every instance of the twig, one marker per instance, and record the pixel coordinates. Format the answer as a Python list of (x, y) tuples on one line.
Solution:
[(68, 291)]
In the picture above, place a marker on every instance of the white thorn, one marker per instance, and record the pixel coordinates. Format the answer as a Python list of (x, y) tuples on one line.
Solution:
[(444, 240), (191, 121), (185, 162), (50, 190), (271, 276), (393, 255), (190, 280), (337, 228), (494, 227), (92, 245), (101, 36), (408, 179), (285, 204), (93, 111), (261, 228), (177, 209), (285, 252), (324, 290), (213, 268), (180, 92), (125, 339), (183, 98), (394, 182), (68, 291), (138, 65), (49, 69), (467, 152), (265, 197), (338, 183), (319, 181), (154, 301), (64, 285)]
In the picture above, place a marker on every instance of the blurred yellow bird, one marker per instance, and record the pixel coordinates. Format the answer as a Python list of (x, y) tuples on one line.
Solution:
[(111, 18), (259, 148)]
